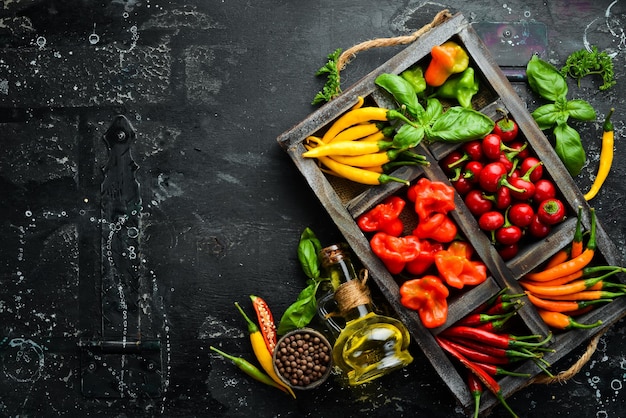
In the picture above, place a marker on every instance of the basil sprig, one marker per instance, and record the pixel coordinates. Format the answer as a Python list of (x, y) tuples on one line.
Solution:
[(545, 80), (432, 123), (301, 312)]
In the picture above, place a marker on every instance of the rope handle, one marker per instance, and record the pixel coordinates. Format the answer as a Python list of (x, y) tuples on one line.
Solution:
[(349, 54)]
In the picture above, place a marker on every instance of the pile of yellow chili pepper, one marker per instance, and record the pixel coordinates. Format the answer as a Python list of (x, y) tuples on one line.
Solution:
[(358, 147)]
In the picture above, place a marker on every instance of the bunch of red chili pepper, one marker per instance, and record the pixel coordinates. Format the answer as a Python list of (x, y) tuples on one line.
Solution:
[(503, 185), (433, 250), (483, 345), (569, 285)]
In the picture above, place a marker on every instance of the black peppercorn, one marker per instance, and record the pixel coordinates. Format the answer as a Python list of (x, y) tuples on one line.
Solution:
[(303, 358)]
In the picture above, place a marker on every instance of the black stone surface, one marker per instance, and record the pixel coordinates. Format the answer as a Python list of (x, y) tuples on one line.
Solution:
[(153, 237)]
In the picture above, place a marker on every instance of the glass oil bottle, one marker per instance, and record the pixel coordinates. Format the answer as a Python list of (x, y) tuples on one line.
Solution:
[(368, 345)]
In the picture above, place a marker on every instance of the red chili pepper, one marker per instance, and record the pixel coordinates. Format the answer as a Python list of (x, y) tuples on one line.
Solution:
[(452, 161), (489, 382), (472, 170), (476, 388), (428, 296), (266, 321), (491, 338), (456, 268), (395, 252), (495, 370), (507, 252), (431, 197), (476, 319), (511, 355), (493, 176), (462, 185), (384, 217), (551, 211), (476, 354), (490, 221)]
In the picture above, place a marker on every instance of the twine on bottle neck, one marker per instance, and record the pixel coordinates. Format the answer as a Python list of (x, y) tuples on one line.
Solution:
[(353, 293)]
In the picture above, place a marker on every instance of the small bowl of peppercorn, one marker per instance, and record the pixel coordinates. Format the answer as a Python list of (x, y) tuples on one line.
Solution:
[(302, 358)]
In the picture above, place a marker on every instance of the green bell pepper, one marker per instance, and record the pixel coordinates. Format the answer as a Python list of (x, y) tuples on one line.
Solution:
[(461, 87)]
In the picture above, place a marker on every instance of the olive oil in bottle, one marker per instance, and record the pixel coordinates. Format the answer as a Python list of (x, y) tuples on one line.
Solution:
[(369, 345)]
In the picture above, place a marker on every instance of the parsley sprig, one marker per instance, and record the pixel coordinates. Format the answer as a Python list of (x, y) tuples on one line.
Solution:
[(332, 88), (582, 63)]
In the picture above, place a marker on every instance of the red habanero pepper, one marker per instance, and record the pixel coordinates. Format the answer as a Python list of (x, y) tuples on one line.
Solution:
[(438, 227), (428, 296), (384, 217), (426, 257), (456, 267), (431, 197), (395, 252)]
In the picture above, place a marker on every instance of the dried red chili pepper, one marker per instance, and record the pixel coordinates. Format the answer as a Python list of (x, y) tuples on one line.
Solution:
[(395, 252), (428, 296), (384, 217)]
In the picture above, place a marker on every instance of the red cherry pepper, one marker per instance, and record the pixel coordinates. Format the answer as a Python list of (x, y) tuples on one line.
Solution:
[(520, 148), (462, 186), (506, 128), (508, 234), (490, 221), (474, 150), (472, 171), (453, 160), (501, 198), (384, 217), (538, 229), (521, 214), (492, 146), (523, 188), (551, 211), (532, 163), (494, 176), (477, 203), (507, 252), (544, 189), (428, 296)]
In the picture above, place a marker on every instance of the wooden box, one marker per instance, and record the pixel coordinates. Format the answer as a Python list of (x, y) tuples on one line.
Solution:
[(345, 201)]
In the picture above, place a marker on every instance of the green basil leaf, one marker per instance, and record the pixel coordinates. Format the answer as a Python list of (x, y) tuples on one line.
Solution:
[(302, 311), (459, 124), (402, 91), (581, 110), (308, 254), (434, 109), (545, 80), (569, 148), (408, 137), (546, 116)]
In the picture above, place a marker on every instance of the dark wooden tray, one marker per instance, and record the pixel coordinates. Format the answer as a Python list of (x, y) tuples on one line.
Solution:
[(344, 201)]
